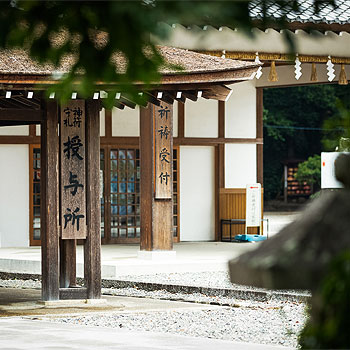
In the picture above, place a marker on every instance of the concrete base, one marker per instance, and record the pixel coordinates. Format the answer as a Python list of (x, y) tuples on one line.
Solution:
[(73, 303), (157, 255)]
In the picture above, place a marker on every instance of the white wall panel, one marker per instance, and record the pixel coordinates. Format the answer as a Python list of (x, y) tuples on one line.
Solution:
[(197, 193), (126, 122), (201, 118), (102, 122), (14, 196), (240, 111), (240, 165), (175, 118), (20, 130), (269, 40)]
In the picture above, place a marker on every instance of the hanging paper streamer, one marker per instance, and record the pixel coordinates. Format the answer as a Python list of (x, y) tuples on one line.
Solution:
[(273, 73), (342, 76), (223, 54), (313, 72), (259, 71), (297, 67), (330, 69)]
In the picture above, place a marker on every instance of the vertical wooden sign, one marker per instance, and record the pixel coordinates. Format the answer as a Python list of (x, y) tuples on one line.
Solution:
[(163, 123), (73, 180)]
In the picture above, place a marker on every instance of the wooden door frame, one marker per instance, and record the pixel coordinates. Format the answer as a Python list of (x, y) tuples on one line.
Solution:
[(32, 242)]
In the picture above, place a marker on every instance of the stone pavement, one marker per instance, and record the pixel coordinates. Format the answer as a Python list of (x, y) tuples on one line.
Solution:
[(33, 334), (118, 260)]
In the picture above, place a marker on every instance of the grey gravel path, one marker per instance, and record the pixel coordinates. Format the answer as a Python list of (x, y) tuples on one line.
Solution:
[(263, 324), (275, 321)]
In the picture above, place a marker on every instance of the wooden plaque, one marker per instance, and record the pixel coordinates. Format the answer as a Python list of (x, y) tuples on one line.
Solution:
[(73, 180), (163, 123)]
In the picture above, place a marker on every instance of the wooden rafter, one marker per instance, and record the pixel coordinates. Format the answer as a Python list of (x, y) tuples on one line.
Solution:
[(217, 92), (21, 115)]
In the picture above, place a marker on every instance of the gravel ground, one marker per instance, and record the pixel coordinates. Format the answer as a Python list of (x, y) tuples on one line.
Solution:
[(263, 324), (276, 321)]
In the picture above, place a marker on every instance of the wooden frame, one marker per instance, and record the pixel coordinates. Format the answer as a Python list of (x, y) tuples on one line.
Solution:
[(107, 143), (32, 241)]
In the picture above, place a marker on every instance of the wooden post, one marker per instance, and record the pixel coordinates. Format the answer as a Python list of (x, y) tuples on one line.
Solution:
[(92, 246), (68, 263), (49, 202), (156, 213)]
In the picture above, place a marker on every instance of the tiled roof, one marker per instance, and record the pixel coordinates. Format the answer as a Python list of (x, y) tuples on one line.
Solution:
[(306, 14)]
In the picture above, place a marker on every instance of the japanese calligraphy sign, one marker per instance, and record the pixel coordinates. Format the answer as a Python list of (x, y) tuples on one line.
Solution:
[(72, 144), (163, 123), (253, 205)]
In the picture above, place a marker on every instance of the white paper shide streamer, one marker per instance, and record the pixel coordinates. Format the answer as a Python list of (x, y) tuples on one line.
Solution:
[(297, 67), (259, 71), (330, 69)]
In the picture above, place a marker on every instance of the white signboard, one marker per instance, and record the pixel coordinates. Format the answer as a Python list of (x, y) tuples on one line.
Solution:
[(328, 179), (253, 205)]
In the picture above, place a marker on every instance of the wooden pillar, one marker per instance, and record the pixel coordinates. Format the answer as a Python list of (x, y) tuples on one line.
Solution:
[(68, 263), (49, 202), (92, 245), (156, 213)]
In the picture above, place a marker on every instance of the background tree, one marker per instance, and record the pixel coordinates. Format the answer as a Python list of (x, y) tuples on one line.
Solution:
[(53, 30), (300, 122)]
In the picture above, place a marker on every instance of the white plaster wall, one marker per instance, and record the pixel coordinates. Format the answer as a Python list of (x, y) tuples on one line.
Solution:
[(14, 196), (240, 165), (197, 191), (126, 122), (175, 118), (201, 118), (20, 130), (270, 40), (240, 111), (102, 122)]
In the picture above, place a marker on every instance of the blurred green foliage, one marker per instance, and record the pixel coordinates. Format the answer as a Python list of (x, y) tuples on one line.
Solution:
[(310, 171), (329, 324), (33, 24)]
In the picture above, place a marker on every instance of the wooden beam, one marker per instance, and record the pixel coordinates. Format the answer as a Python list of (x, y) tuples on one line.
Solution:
[(49, 202), (118, 105), (214, 141), (226, 77), (191, 95), (181, 99), (167, 98), (14, 123), (123, 100), (92, 245), (108, 123), (21, 115), (217, 92), (152, 98)]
